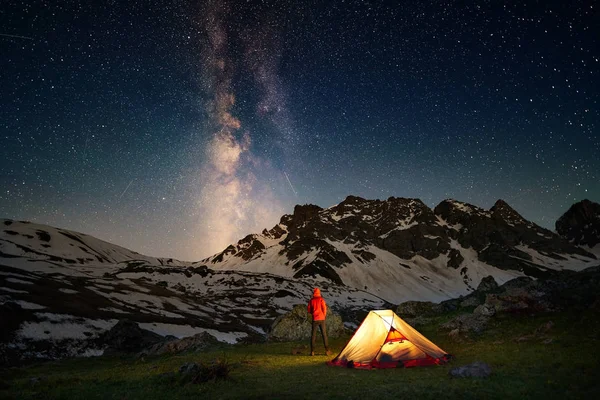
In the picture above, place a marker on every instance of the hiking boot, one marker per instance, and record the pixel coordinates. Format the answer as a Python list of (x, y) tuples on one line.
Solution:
[(312, 353)]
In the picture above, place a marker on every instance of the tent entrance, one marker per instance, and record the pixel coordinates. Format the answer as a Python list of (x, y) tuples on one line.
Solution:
[(394, 336)]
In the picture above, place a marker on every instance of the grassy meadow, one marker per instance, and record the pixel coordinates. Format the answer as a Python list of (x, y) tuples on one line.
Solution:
[(562, 362)]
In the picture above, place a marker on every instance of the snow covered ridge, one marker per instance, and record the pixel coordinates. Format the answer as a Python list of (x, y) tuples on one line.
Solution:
[(400, 249), (57, 298), (43, 242)]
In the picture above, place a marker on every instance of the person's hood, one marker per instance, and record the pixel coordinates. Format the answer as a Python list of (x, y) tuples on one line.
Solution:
[(317, 292)]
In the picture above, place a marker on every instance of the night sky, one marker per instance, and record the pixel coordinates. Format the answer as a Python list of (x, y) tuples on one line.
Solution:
[(177, 127)]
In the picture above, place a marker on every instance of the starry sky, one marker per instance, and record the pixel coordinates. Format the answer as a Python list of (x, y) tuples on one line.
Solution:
[(174, 128)]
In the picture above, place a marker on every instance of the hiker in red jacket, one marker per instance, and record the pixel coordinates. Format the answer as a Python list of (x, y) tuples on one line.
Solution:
[(318, 309)]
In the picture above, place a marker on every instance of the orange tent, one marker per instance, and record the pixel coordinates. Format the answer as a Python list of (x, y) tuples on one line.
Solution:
[(384, 340)]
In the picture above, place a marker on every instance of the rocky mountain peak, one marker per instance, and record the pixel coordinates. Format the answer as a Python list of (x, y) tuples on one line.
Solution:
[(455, 211), (403, 239), (501, 210), (353, 200), (581, 223), (351, 205), (302, 213)]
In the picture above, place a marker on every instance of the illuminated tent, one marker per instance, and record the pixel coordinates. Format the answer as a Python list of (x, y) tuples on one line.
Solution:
[(384, 340)]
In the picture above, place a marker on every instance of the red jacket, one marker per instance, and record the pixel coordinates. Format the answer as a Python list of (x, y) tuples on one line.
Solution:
[(318, 308)]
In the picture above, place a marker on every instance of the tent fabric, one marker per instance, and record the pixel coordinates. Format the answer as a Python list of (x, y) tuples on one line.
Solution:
[(384, 340)]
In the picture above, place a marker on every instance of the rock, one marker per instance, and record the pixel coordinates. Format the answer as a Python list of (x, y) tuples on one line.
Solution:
[(477, 369), (467, 323), (455, 259), (451, 305), (299, 350), (470, 301), (520, 282), (35, 380), (198, 342), (540, 296), (454, 334), (417, 309), (189, 368), (486, 310), (296, 325), (507, 303), (544, 328), (524, 338), (487, 284), (416, 322), (127, 337)]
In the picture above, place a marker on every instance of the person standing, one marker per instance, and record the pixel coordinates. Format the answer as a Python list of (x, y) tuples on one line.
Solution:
[(318, 309)]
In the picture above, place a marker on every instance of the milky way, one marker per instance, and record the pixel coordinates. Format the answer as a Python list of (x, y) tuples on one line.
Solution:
[(233, 202), (178, 128)]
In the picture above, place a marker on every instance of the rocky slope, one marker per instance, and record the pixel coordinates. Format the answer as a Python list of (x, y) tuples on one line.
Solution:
[(581, 224), (400, 249)]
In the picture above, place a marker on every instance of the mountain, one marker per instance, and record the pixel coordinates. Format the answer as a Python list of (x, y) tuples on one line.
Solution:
[(61, 290), (400, 249), (581, 224)]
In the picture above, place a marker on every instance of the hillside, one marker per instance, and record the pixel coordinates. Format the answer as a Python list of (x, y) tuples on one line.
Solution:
[(61, 290)]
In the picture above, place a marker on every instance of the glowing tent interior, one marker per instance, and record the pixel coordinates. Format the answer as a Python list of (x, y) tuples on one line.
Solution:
[(384, 340)]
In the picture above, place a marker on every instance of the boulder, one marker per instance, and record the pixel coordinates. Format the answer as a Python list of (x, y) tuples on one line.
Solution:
[(470, 301), (487, 284), (477, 369), (507, 302), (198, 342), (451, 304), (467, 323), (486, 310), (189, 368), (127, 337), (410, 309), (455, 259), (455, 334), (202, 372), (416, 322), (296, 325)]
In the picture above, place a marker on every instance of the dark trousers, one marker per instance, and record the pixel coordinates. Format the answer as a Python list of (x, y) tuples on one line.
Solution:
[(320, 324)]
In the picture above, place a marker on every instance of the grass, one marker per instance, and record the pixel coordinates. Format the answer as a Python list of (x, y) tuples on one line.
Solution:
[(568, 367)]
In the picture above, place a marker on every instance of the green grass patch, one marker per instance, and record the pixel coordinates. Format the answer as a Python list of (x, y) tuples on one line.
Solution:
[(566, 366)]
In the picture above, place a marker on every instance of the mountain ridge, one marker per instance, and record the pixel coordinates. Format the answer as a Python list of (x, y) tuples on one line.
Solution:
[(404, 238)]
